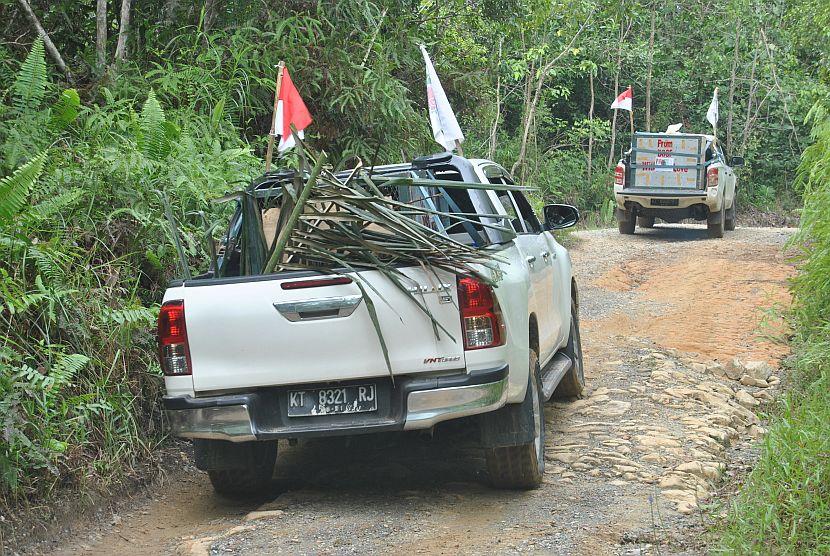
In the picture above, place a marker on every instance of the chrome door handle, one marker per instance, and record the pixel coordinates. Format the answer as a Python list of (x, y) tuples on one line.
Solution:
[(315, 309), (531, 260)]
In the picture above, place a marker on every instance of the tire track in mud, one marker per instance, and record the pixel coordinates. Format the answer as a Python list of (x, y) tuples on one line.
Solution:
[(630, 468)]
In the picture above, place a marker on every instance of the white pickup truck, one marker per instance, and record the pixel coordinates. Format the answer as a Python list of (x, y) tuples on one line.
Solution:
[(249, 360), (674, 176)]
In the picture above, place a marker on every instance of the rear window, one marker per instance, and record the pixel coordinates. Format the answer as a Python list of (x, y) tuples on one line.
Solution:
[(472, 204)]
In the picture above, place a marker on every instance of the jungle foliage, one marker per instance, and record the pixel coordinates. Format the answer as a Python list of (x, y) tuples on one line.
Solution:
[(784, 508), (170, 108)]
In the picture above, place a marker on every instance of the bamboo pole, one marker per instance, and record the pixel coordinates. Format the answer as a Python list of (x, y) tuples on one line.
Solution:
[(458, 146), (272, 133), (715, 125), (284, 233)]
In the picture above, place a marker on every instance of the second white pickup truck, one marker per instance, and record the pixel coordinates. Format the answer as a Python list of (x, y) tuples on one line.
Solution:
[(674, 176), (249, 360)]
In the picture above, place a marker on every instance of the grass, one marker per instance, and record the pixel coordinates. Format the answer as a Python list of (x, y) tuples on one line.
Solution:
[(784, 507)]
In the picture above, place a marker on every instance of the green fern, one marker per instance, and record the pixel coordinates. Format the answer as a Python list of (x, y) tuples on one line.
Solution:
[(66, 368), (31, 82), (48, 262), (152, 130), (129, 316), (15, 188), (65, 109), (52, 206)]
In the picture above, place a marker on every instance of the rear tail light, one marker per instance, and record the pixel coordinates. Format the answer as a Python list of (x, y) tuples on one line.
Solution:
[(712, 177), (481, 320), (619, 175), (174, 352)]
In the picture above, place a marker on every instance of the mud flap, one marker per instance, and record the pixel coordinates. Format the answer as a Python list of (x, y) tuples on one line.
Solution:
[(214, 455), (622, 215), (509, 426)]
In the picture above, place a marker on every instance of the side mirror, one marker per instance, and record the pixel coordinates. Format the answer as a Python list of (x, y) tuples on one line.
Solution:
[(558, 217), (737, 161)]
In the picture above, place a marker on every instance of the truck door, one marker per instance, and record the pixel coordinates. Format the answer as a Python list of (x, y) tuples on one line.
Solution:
[(557, 286), (537, 256)]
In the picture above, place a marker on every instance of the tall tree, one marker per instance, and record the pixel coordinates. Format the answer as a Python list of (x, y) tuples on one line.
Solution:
[(650, 67), (123, 31), (101, 35)]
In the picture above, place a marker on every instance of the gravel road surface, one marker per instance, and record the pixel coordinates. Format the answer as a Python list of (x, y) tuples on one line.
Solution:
[(682, 348)]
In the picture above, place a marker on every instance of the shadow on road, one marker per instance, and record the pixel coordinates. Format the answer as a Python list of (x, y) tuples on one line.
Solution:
[(384, 462), (673, 232)]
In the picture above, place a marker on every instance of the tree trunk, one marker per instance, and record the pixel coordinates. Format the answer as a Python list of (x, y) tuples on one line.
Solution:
[(616, 94), (532, 102), (123, 31), (170, 9), (526, 117), (650, 68), (753, 86), (210, 15), (794, 134), (101, 36), (493, 132), (735, 55), (591, 128), (47, 42)]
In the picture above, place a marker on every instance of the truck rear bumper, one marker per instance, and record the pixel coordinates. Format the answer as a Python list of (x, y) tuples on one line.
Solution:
[(413, 403), (665, 200)]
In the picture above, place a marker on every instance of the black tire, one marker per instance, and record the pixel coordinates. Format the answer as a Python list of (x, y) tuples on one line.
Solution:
[(645, 221), (731, 215), (715, 225), (573, 383), (626, 226), (522, 467), (249, 481)]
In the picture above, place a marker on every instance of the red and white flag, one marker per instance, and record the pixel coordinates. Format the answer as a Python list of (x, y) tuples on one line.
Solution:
[(624, 101), (290, 110)]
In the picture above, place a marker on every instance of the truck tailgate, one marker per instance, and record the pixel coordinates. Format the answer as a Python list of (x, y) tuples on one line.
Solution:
[(667, 161), (257, 333)]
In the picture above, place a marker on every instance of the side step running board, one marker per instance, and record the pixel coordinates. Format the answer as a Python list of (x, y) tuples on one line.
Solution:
[(553, 373)]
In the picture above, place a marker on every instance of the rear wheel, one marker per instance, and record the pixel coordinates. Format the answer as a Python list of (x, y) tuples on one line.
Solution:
[(626, 226), (645, 221), (252, 479), (731, 214), (573, 383), (522, 466), (715, 224)]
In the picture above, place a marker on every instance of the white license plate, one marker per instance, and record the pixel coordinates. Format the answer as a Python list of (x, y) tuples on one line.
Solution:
[(341, 400)]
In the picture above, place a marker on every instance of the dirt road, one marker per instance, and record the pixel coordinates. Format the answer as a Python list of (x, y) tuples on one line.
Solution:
[(630, 468)]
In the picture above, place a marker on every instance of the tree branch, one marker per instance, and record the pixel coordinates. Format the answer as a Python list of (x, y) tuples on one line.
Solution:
[(47, 42)]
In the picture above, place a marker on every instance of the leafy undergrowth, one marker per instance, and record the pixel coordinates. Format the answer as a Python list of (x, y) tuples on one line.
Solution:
[(85, 252), (784, 507)]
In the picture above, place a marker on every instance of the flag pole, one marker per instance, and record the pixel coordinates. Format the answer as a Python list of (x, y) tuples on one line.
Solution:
[(458, 146), (631, 112), (272, 133)]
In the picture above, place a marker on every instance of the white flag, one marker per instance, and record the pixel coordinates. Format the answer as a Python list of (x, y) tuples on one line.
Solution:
[(444, 125), (712, 113)]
